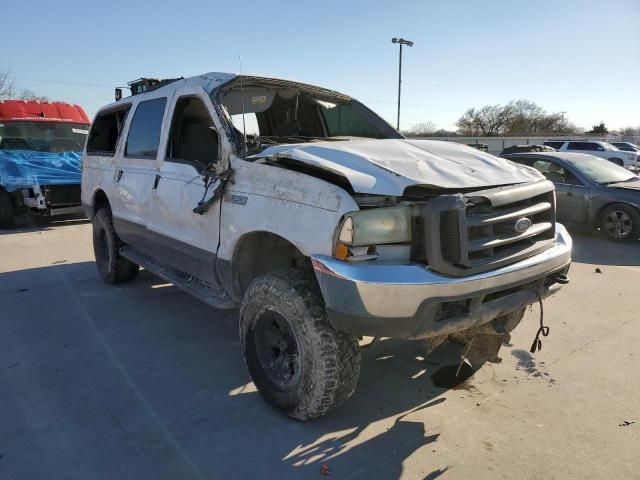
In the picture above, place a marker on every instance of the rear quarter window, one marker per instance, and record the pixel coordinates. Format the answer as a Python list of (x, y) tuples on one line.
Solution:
[(105, 131)]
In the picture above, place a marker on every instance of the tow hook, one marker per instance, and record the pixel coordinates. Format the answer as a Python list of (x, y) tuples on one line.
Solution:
[(560, 278)]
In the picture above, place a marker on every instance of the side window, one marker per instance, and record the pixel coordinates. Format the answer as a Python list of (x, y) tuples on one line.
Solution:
[(144, 132), (579, 146), (571, 179), (556, 145), (192, 136), (542, 166), (585, 146), (556, 173), (105, 132)]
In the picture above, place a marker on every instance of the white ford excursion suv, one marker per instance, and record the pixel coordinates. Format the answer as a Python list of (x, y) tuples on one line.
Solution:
[(322, 223)]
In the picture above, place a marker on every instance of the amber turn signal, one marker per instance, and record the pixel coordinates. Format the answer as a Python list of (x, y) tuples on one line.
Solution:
[(342, 251)]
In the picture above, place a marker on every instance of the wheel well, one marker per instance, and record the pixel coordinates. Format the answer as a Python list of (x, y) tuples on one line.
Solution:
[(259, 253), (100, 200)]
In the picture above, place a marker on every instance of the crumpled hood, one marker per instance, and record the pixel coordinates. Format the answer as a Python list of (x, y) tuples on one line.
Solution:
[(387, 167), (26, 168)]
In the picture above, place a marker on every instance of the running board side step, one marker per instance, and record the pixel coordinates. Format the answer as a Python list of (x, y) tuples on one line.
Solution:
[(205, 291)]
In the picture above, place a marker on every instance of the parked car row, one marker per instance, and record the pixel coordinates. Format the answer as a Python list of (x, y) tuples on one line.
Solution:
[(625, 154), (599, 149)]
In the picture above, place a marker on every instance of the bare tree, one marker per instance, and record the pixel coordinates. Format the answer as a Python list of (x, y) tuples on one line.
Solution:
[(422, 129), (487, 121), (528, 118), (629, 131), (8, 89), (6, 84), (518, 117), (26, 94)]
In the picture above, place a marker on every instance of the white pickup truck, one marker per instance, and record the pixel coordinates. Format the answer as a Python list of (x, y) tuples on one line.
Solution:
[(321, 222)]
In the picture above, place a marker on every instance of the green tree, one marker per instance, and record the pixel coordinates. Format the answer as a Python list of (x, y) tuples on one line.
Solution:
[(599, 129)]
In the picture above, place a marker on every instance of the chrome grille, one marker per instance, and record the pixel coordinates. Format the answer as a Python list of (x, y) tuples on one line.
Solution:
[(491, 232), (473, 232)]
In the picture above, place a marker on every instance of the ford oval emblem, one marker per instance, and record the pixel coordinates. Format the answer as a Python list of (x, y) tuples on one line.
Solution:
[(522, 225)]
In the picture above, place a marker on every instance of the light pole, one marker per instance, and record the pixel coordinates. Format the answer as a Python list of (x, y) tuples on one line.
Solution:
[(408, 43)]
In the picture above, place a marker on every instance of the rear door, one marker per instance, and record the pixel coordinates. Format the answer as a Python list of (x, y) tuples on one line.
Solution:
[(137, 170), (104, 145), (188, 240)]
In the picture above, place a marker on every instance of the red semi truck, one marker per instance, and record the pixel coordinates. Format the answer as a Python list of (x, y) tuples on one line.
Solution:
[(41, 147)]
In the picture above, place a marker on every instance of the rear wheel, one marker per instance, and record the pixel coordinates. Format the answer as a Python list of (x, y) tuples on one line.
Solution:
[(620, 222), (300, 364), (7, 219), (113, 267)]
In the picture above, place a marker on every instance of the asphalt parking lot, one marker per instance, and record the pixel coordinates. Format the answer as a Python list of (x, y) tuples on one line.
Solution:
[(141, 381)]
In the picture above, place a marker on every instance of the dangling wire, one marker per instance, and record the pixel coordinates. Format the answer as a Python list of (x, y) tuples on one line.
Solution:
[(537, 343)]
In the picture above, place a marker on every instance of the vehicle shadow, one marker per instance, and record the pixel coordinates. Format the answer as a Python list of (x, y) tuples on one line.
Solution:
[(31, 223), (591, 246), (168, 371), (373, 433)]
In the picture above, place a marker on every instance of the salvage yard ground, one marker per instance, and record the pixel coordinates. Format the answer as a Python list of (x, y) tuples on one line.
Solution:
[(142, 381)]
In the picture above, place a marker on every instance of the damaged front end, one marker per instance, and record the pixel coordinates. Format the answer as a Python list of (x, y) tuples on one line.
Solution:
[(42, 183), (470, 259)]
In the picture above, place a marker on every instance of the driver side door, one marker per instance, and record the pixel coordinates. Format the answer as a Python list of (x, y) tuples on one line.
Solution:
[(572, 195), (189, 241)]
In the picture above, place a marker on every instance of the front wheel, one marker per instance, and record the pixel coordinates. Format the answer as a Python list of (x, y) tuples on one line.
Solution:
[(6, 210), (300, 364), (620, 222)]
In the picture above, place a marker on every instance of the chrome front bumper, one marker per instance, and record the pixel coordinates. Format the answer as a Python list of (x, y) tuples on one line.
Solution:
[(412, 301)]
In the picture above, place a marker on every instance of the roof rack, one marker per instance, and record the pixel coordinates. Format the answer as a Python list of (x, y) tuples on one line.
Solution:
[(145, 84)]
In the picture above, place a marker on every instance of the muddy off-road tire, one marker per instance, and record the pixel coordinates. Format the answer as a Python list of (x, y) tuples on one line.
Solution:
[(300, 364), (620, 222), (7, 218), (113, 267)]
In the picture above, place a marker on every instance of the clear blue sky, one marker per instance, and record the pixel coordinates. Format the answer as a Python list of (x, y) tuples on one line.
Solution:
[(582, 57)]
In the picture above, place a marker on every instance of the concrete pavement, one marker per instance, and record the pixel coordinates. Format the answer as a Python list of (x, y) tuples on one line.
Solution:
[(142, 381)]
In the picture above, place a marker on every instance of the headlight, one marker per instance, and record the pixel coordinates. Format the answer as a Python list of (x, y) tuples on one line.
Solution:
[(376, 226)]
